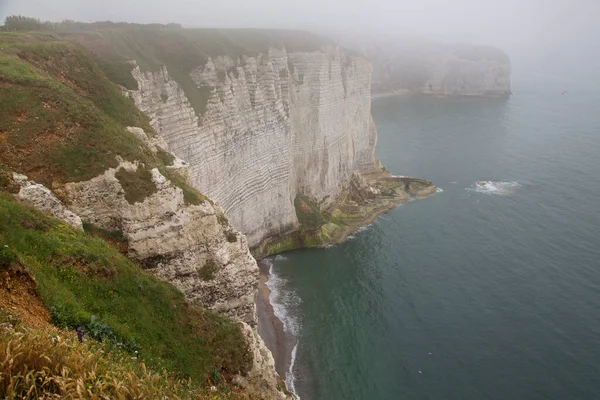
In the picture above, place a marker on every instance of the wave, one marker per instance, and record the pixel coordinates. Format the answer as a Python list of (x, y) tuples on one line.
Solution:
[(289, 376), (285, 303), (361, 229), (501, 188), (439, 190)]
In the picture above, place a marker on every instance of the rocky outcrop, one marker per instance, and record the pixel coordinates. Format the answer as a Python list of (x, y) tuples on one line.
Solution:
[(415, 65), (274, 125), (183, 244), (44, 200)]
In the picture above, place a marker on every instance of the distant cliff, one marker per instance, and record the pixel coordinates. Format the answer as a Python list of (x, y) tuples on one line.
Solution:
[(402, 64)]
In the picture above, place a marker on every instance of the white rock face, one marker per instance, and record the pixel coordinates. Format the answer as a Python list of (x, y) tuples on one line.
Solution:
[(263, 365), (419, 65), (174, 240), (44, 200), (457, 76), (275, 125)]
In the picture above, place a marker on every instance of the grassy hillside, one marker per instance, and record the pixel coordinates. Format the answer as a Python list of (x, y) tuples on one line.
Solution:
[(61, 119), (85, 282)]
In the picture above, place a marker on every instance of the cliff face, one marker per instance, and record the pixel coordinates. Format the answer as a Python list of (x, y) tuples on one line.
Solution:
[(415, 65), (274, 126)]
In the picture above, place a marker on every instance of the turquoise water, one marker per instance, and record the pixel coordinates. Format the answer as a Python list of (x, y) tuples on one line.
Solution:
[(488, 292)]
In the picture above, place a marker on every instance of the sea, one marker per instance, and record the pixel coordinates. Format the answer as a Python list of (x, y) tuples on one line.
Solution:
[(489, 289)]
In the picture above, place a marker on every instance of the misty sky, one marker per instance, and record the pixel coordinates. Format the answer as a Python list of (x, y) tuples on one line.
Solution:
[(544, 26)]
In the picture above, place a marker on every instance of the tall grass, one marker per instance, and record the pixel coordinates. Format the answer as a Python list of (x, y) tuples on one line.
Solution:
[(50, 363)]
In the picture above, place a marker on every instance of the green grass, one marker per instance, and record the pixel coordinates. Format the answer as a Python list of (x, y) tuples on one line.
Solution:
[(308, 212), (208, 270), (119, 72), (191, 195), (138, 184), (80, 276), (165, 157), (61, 119)]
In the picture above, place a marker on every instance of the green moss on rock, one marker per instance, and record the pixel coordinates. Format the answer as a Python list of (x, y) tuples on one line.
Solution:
[(138, 185)]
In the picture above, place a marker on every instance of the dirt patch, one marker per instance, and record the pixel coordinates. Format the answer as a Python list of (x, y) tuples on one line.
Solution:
[(18, 294), (304, 208)]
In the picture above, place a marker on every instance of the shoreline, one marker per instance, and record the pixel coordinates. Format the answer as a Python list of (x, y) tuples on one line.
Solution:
[(299, 238), (270, 327)]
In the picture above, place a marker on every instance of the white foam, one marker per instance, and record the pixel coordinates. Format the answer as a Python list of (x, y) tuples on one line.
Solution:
[(284, 302), (281, 300), (500, 188), (289, 376), (439, 190), (364, 228)]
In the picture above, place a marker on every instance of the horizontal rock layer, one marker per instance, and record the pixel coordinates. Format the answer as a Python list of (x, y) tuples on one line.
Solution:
[(275, 125)]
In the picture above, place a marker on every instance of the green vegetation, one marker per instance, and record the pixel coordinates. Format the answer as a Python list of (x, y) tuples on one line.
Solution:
[(138, 184), (119, 72), (231, 236), (61, 119), (165, 157), (208, 270), (114, 238), (308, 212), (223, 220), (191, 195), (85, 282), (46, 361)]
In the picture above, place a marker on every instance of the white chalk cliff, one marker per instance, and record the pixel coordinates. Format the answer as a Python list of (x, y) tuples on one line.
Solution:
[(275, 125), (419, 65)]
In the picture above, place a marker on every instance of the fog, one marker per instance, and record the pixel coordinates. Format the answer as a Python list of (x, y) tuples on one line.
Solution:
[(548, 33)]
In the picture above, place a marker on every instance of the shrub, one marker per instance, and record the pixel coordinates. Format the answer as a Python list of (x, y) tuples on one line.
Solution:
[(138, 184), (231, 237), (208, 270), (165, 157), (222, 219), (191, 195)]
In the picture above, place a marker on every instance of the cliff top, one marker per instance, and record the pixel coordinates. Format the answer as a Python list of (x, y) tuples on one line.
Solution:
[(181, 50)]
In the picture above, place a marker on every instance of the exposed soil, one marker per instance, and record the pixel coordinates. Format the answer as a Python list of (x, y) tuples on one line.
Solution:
[(18, 295)]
